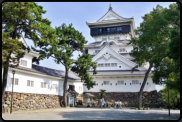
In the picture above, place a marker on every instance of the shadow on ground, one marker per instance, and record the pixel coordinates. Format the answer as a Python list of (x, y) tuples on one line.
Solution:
[(118, 115)]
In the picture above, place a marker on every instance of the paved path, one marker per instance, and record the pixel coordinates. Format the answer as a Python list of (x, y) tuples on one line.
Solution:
[(92, 114)]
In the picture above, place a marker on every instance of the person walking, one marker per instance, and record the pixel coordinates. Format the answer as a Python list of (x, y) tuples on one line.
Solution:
[(107, 104), (115, 104), (120, 103), (100, 103)]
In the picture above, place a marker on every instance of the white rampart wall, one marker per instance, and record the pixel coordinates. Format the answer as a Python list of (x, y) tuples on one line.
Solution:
[(121, 88), (22, 84)]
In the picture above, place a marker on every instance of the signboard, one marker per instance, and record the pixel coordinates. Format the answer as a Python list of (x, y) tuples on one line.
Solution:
[(71, 100), (88, 100)]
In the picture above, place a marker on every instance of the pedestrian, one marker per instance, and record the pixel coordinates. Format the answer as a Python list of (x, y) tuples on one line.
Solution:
[(100, 103), (115, 104), (107, 104), (103, 103), (120, 103)]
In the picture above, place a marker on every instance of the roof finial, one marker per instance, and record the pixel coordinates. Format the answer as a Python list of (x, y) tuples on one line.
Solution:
[(110, 7)]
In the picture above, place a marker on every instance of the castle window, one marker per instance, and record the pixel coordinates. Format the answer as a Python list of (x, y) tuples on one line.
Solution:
[(121, 82), (100, 30), (113, 64), (30, 83), (106, 82), (122, 50), (119, 28), (16, 81), (80, 88), (97, 51), (108, 30), (23, 63), (43, 85), (54, 86), (113, 29), (135, 82), (100, 65), (107, 64)]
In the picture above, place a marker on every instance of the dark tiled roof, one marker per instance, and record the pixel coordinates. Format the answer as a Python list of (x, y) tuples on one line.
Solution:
[(54, 72)]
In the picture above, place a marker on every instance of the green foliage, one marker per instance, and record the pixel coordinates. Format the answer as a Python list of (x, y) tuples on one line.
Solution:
[(12, 50), (102, 92), (158, 43), (174, 97), (82, 66)]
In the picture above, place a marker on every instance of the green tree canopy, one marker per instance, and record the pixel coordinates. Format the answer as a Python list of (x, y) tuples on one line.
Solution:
[(22, 18), (69, 41), (153, 38)]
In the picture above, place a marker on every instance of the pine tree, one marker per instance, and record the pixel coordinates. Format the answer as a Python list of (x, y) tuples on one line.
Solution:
[(70, 40), (19, 18)]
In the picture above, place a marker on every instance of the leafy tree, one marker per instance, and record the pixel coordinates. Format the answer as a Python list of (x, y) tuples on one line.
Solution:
[(174, 97), (69, 41), (12, 51), (82, 66), (151, 43), (18, 18), (102, 92)]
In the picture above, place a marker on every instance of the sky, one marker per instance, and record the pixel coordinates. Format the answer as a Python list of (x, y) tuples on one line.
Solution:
[(78, 13)]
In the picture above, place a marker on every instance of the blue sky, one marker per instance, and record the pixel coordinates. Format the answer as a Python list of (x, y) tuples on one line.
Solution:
[(78, 13)]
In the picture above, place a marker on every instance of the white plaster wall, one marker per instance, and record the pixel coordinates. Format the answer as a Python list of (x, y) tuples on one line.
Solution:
[(116, 48), (22, 85), (121, 88), (77, 84), (28, 58), (112, 60), (98, 38)]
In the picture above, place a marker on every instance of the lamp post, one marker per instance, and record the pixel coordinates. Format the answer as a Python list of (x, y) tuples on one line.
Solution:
[(12, 90)]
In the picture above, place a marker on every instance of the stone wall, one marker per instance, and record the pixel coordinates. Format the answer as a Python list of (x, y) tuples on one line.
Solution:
[(130, 99), (28, 101)]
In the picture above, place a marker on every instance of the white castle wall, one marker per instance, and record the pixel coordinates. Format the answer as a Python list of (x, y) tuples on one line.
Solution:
[(22, 85), (112, 60), (121, 88)]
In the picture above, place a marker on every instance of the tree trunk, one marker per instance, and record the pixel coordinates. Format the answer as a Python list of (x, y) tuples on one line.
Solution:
[(5, 75), (142, 87), (64, 87)]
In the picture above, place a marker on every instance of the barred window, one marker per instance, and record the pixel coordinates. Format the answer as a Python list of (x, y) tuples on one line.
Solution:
[(32, 83), (54, 86), (122, 50), (80, 88), (107, 64), (121, 82), (28, 82), (113, 64), (15, 82), (106, 82), (23, 62), (43, 85), (135, 82), (100, 65), (97, 51)]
